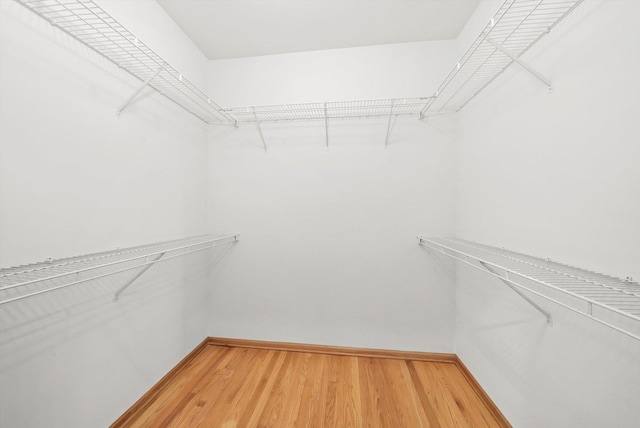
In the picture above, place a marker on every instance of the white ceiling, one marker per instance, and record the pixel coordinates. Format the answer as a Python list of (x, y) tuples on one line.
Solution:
[(241, 28)]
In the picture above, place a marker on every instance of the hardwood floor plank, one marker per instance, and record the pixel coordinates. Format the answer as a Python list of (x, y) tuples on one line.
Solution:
[(312, 402), (294, 393), (420, 397), (369, 395), (148, 399), (437, 398), (285, 395), (482, 394), (388, 395), (332, 392), (229, 387), (352, 391), (400, 387), (235, 397), (175, 392), (471, 406), (343, 394), (262, 392), (206, 392)]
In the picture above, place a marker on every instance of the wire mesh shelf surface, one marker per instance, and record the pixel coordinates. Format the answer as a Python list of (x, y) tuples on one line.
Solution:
[(20, 282), (91, 25), (611, 301), (330, 110), (516, 27)]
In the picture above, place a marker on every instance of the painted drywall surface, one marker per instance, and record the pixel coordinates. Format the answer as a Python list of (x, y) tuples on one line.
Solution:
[(555, 176), (77, 358), (389, 71), (328, 252), (477, 22), (157, 30), (75, 179), (562, 168), (576, 373)]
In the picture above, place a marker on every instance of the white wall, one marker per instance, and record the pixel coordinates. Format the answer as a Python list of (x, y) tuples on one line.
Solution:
[(555, 176), (75, 179), (70, 167), (373, 72), (477, 22), (328, 252)]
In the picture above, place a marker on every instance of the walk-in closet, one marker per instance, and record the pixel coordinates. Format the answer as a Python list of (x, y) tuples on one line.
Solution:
[(319, 213)]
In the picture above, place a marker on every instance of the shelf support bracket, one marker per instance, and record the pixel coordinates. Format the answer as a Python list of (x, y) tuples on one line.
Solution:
[(138, 275), (386, 141), (546, 314), (521, 62), (137, 91), (326, 125), (428, 114), (255, 116)]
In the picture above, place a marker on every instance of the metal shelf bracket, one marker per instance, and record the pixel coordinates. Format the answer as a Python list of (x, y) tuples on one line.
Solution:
[(91, 25), (507, 282), (494, 272), (609, 301), (428, 114), (116, 296), (137, 91), (264, 144), (523, 64), (326, 125), (386, 141), (514, 28), (23, 282)]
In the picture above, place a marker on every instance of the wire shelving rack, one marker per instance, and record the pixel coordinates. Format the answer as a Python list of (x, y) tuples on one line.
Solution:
[(513, 30), (325, 111), (610, 301), (330, 110), (91, 25), (22, 282)]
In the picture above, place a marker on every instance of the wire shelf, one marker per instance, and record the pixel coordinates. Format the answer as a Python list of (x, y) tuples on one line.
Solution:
[(330, 110), (611, 301), (91, 25), (21, 282), (516, 27)]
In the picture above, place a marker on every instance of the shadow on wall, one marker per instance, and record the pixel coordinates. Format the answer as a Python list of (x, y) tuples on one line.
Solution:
[(34, 326), (446, 264), (50, 55), (503, 319), (526, 364), (337, 132)]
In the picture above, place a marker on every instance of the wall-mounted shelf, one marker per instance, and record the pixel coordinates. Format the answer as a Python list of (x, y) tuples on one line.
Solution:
[(516, 26), (384, 108), (610, 301), (21, 282), (514, 29), (91, 25), (330, 110)]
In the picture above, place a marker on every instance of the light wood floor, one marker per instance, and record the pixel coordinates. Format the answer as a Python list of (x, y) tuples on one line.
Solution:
[(230, 387)]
